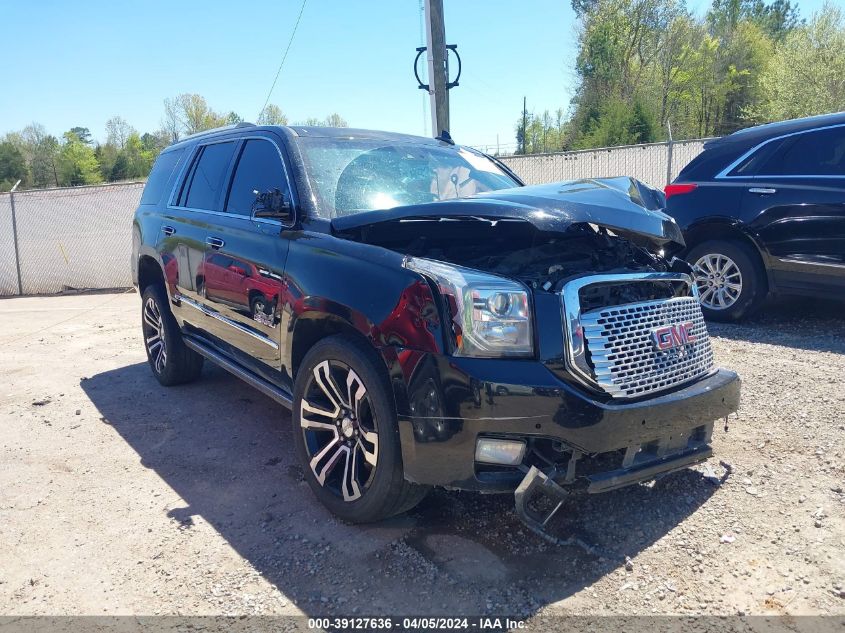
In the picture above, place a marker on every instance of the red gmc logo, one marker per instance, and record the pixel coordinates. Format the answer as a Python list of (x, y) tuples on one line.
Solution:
[(672, 336)]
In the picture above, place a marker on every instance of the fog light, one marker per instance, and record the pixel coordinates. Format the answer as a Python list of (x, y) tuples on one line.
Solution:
[(497, 451)]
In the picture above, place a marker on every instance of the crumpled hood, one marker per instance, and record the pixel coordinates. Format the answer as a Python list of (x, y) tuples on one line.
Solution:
[(624, 205)]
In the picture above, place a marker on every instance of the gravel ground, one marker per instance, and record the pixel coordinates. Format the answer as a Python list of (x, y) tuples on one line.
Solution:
[(118, 496)]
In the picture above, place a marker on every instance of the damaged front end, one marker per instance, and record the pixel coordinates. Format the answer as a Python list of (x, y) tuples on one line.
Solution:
[(553, 474), (540, 235), (612, 379)]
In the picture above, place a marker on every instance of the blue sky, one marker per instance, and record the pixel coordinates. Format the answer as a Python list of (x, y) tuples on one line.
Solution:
[(80, 63)]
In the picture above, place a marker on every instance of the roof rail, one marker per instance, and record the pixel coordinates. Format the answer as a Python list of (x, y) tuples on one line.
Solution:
[(222, 128)]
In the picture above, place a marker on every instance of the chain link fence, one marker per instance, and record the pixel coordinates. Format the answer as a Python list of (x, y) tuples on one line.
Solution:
[(60, 239), (80, 237), (654, 163)]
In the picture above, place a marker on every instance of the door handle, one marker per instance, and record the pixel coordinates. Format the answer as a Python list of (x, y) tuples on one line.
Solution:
[(215, 242), (762, 190), (168, 230)]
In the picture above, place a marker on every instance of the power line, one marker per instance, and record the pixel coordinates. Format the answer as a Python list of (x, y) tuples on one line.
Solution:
[(284, 57)]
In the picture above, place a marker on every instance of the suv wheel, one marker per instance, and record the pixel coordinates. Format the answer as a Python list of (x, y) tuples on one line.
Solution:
[(258, 306), (731, 282), (346, 436), (171, 361)]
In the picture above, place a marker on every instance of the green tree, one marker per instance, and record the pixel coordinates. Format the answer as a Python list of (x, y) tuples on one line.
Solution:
[(83, 134), (335, 120), (120, 168), (117, 131), (42, 152), (619, 123), (154, 142), (272, 115), (77, 162), (777, 19), (12, 166), (188, 114), (139, 161), (806, 75), (107, 156)]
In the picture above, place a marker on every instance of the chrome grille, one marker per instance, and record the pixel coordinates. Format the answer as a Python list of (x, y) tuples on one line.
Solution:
[(625, 361)]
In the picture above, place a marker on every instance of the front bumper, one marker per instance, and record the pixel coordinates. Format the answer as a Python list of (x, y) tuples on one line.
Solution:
[(446, 403)]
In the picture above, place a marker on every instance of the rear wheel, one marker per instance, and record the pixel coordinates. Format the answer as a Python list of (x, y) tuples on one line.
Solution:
[(730, 279), (346, 435), (171, 361)]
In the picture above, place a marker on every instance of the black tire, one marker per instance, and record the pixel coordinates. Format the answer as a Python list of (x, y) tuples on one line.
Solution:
[(257, 304), (171, 361), (751, 278), (380, 490)]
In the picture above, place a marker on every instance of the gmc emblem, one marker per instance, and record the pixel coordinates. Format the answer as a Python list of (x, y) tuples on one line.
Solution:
[(672, 336)]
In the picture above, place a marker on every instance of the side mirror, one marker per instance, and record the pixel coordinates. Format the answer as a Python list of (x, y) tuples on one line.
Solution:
[(274, 205), (238, 270)]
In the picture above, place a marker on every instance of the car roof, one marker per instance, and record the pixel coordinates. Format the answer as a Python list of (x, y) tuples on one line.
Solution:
[(317, 131), (759, 133), (311, 131)]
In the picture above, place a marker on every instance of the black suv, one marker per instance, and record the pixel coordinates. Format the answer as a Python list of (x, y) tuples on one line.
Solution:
[(428, 319), (763, 210)]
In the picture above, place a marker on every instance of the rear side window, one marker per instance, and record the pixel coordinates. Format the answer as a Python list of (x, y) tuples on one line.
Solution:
[(206, 180), (259, 170), (819, 153), (160, 174)]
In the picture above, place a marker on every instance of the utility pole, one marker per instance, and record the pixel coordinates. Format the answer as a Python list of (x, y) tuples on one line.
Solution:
[(438, 66), (524, 123), (15, 237)]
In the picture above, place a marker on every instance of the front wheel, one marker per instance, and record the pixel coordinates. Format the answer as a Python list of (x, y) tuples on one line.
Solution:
[(346, 434), (258, 307), (730, 279), (172, 362)]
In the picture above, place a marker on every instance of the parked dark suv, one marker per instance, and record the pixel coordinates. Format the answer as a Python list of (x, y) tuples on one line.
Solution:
[(763, 210), (428, 319)]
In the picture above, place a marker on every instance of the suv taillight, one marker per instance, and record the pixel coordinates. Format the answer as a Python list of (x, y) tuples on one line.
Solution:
[(676, 190)]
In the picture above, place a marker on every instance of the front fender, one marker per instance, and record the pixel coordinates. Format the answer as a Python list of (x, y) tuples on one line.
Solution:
[(333, 285)]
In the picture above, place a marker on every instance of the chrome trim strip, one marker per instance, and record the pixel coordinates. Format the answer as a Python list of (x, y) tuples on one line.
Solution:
[(575, 346), (723, 175), (216, 315), (264, 386), (804, 262)]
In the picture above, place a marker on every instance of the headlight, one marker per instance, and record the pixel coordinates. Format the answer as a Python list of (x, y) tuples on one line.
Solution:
[(491, 316)]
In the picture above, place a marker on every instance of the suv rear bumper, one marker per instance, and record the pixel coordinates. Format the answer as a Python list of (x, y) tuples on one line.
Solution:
[(452, 401)]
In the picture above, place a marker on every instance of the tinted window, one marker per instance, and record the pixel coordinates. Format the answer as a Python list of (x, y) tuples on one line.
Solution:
[(207, 178), (820, 153), (160, 174), (221, 260), (259, 170)]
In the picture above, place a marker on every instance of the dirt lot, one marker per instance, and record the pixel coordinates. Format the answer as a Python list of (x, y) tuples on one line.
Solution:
[(119, 496)]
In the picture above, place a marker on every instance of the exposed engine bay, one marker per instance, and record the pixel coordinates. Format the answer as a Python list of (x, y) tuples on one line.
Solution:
[(516, 249)]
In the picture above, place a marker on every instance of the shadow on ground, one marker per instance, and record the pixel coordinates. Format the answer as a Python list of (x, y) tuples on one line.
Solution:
[(802, 323), (226, 450)]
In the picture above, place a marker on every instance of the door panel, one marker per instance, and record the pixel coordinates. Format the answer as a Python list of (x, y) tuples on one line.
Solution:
[(244, 290), (245, 259), (181, 246), (796, 204)]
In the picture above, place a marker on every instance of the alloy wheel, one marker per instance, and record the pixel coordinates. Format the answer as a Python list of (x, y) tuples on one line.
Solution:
[(340, 430), (258, 307), (719, 281), (154, 335)]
